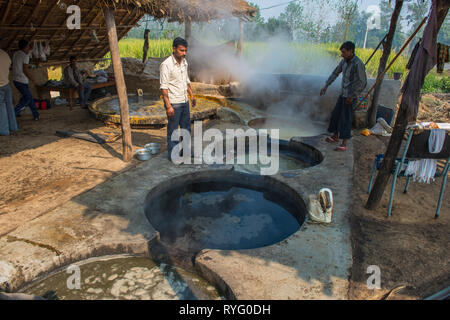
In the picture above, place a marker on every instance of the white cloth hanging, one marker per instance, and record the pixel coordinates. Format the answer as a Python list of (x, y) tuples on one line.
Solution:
[(424, 170), (47, 48), (42, 55), (35, 50)]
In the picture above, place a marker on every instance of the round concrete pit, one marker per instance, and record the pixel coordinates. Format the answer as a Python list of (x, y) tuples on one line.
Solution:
[(224, 210), (123, 278)]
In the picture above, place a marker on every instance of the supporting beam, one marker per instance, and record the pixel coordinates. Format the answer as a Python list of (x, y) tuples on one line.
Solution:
[(187, 30), (8, 7), (241, 37), (120, 84), (27, 23), (47, 15)]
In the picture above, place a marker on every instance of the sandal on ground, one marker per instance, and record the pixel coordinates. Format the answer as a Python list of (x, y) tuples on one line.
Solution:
[(331, 140), (341, 148)]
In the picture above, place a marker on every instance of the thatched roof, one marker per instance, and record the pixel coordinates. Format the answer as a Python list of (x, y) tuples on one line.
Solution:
[(46, 20), (194, 10)]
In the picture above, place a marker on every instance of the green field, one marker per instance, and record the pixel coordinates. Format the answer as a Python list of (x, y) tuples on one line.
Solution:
[(309, 54)]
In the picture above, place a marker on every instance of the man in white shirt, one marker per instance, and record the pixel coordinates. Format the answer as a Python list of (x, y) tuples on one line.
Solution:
[(22, 76), (8, 121), (175, 86)]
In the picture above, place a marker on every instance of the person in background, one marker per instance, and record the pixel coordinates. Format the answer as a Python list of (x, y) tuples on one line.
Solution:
[(354, 80), (175, 86), (73, 77), (21, 78), (8, 121)]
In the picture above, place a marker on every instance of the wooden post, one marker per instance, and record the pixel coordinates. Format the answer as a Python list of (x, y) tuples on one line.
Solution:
[(387, 45), (241, 36), (187, 30), (120, 83)]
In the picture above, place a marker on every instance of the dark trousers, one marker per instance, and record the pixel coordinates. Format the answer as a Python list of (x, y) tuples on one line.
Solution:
[(181, 118), (84, 93), (26, 99), (341, 119)]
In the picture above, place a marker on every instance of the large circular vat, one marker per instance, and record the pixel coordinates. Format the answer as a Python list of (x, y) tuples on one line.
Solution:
[(224, 209), (150, 109), (122, 278), (289, 128), (291, 156)]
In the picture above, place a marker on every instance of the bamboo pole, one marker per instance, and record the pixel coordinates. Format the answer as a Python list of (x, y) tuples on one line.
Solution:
[(120, 83), (381, 75), (375, 50)]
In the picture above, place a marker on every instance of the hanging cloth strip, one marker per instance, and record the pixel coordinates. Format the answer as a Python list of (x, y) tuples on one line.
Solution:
[(443, 57)]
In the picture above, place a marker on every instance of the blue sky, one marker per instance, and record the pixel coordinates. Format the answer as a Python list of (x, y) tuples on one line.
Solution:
[(275, 12)]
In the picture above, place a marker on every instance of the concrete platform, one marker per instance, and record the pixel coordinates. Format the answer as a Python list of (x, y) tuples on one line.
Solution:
[(313, 263)]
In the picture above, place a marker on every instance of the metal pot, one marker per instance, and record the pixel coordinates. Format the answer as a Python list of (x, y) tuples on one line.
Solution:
[(143, 154), (153, 147)]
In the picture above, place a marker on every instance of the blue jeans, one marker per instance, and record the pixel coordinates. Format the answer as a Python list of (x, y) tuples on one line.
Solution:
[(181, 118), (26, 100), (8, 121), (84, 93)]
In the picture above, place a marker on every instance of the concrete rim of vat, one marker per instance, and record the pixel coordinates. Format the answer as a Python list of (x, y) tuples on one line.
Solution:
[(297, 206), (136, 120)]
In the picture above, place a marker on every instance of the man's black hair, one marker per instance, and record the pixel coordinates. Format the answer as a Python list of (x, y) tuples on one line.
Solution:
[(22, 44), (348, 45), (72, 58), (179, 42)]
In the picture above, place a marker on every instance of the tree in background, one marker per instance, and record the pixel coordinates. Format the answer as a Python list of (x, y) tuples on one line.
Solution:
[(387, 9), (293, 18), (278, 28), (253, 30), (417, 10), (387, 45), (347, 10)]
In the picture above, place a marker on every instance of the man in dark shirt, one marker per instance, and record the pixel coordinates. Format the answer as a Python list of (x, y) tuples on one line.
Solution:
[(354, 81)]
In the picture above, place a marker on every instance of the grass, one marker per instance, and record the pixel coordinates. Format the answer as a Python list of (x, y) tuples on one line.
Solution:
[(302, 58)]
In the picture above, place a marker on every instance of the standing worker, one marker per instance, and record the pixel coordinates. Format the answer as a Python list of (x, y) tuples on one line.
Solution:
[(175, 86), (8, 121), (354, 80), (22, 76)]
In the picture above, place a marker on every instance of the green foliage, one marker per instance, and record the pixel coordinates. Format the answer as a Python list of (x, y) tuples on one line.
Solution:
[(436, 83), (308, 52), (133, 48)]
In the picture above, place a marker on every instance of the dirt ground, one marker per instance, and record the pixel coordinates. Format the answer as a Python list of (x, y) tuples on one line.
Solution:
[(411, 247), (40, 171)]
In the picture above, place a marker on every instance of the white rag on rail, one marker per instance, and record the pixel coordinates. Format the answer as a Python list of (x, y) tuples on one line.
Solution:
[(425, 169)]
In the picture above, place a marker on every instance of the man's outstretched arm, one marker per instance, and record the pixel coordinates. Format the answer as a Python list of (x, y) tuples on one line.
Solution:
[(332, 77)]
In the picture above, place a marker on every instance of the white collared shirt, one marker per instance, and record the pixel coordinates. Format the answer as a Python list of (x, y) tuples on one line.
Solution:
[(174, 78)]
